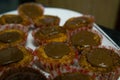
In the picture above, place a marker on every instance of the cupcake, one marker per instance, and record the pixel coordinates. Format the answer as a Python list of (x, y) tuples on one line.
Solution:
[(22, 73), (79, 22), (55, 55), (49, 34), (13, 56), (84, 38), (31, 11), (47, 20), (13, 19), (102, 62), (13, 34)]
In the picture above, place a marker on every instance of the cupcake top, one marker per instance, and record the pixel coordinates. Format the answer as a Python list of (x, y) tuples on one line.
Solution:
[(13, 19), (99, 59), (48, 34), (10, 55), (30, 10), (14, 56), (79, 22), (56, 52), (85, 38), (73, 76), (12, 37), (22, 73), (47, 20)]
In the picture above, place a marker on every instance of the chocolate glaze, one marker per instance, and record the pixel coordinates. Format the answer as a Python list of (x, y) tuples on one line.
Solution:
[(101, 57), (85, 38), (8, 37), (10, 55), (49, 32), (56, 50)]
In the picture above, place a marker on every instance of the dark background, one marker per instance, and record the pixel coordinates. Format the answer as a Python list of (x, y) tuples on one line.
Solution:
[(8, 5)]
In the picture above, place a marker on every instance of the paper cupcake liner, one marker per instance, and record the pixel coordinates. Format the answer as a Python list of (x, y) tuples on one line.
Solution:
[(54, 65), (111, 75), (20, 27)]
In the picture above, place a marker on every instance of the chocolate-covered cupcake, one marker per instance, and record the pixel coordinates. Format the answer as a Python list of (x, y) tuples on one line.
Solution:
[(79, 22), (31, 11), (13, 56), (84, 38), (22, 73), (13, 35), (50, 34), (102, 62), (46, 21), (73, 76), (13, 19), (55, 55)]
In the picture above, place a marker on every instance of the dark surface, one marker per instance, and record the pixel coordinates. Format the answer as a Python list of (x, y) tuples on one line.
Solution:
[(8, 5)]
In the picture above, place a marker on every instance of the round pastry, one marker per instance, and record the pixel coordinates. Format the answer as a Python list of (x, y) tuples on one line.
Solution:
[(13, 19), (55, 55), (79, 22), (102, 62), (31, 11), (73, 76), (47, 20), (85, 38), (13, 56), (22, 73), (13, 35), (50, 34)]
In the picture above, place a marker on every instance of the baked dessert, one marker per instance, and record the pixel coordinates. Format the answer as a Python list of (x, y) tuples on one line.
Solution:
[(31, 11), (84, 38), (79, 22), (73, 76), (13, 19), (13, 56), (46, 21), (102, 62), (49, 34), (22, 73), (13, 35), (55, 55)]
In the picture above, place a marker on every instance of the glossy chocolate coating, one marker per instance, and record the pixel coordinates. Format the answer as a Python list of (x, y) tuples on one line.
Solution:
[(10, 55), (8, 37), (56, 50)]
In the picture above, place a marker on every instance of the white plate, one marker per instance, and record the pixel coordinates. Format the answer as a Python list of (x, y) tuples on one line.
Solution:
[(65, 14)]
